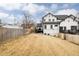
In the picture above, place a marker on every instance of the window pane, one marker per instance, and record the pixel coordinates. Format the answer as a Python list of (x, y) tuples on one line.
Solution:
[(56, 25), (51, 27), (52, 19), (73, 27), (49, 19), (45, 26)]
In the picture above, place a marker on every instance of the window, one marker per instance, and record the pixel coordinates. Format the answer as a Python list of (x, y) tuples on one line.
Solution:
[(61, 29), (51, 26), (45, 26), (49, 19), (56, 25), (73, 27), (52, 19), (68, 20), (64, 28)]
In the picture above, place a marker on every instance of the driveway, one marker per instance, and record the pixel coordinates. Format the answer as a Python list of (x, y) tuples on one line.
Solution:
[(39, 45)]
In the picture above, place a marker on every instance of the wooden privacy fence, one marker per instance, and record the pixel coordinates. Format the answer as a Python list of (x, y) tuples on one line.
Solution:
[(72, 38), (69, 37), (10, 33), (61, 35)]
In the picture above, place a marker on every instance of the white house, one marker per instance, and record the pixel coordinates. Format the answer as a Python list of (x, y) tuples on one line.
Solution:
[(77, 18), (53, 24), (69, 24), (50, 24)]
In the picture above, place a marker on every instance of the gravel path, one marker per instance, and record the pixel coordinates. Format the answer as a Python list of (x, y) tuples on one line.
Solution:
[(39, 45)]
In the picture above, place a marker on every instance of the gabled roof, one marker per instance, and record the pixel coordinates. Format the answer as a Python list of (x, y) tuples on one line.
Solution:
[(47, 14), (59, 17), (72, 16)]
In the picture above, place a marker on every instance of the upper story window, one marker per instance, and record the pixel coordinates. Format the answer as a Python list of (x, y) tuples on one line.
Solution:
[(68, 20), (52, 19), (49, 19)]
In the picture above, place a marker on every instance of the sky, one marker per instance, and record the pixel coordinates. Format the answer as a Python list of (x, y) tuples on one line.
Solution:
[(15, 11)]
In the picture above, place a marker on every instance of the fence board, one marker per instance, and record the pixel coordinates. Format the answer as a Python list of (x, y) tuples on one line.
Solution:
[(8, 33)]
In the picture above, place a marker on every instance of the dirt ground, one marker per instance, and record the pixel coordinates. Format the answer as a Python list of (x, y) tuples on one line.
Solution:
[(39, 45)]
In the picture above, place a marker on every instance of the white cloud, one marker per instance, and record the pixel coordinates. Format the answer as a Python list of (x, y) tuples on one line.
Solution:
[(51, 8), (10, 19), (33, 8), (6, 18), (10, 6), (67, 12), (3, 15)]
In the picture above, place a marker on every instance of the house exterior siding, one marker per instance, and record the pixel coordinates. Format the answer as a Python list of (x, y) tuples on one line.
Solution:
[(69, 24), (52, 24), (50, 31)]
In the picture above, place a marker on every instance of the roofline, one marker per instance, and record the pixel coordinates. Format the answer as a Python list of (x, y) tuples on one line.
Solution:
[(51, 14), (61, 20), (51, 22), (47, 14)]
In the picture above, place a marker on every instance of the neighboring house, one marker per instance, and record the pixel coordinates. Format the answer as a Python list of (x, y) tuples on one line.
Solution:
[(53, 24), (39, 27), (69, 25), (12, 26), (77, 18)]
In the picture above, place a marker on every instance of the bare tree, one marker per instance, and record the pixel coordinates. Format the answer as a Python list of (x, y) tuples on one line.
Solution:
[(28, 24), (24, 21)]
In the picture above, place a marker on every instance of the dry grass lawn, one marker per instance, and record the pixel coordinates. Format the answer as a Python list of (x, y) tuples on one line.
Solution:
[(38, 45)]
